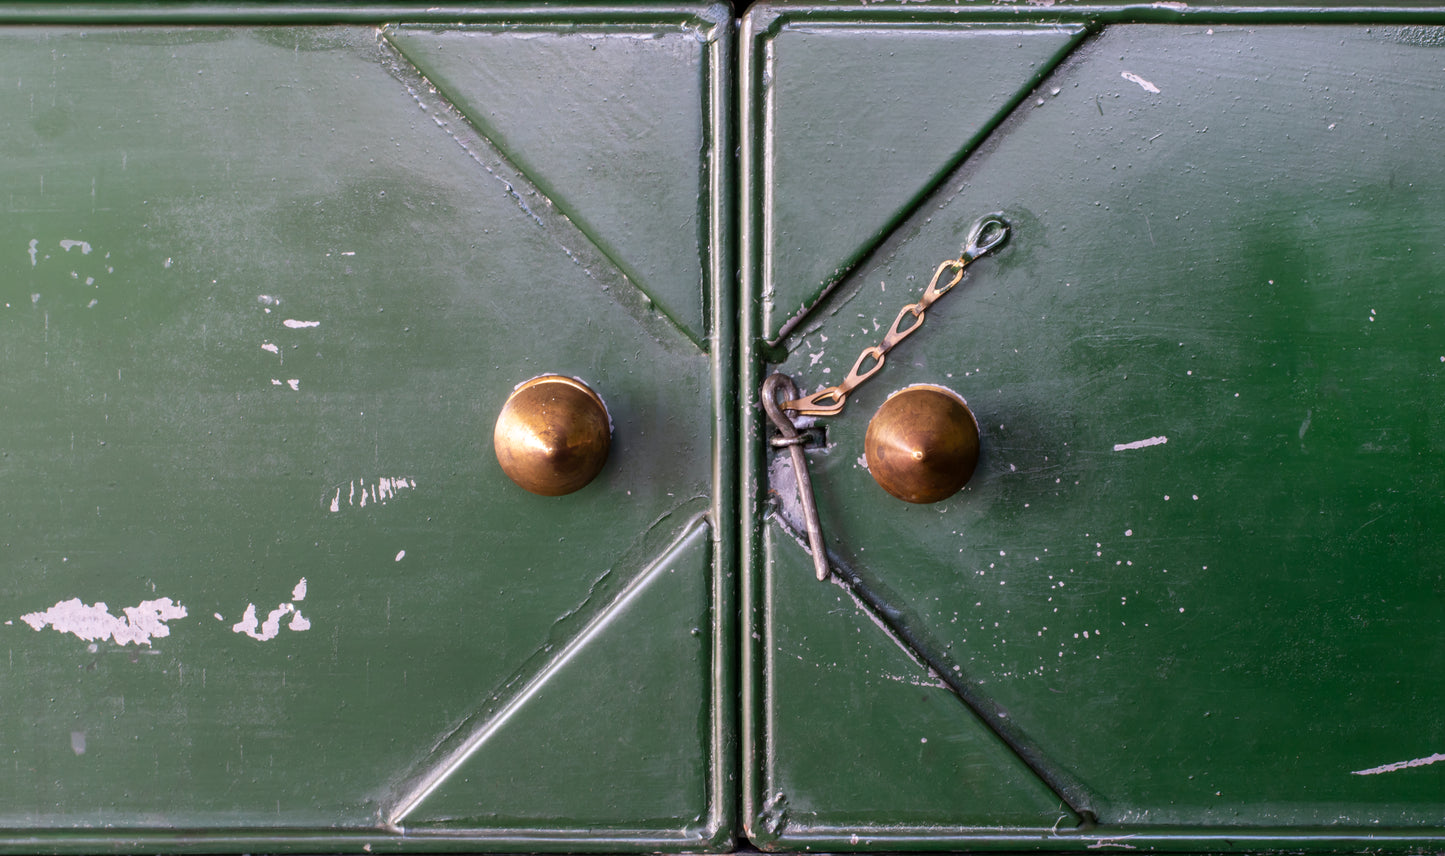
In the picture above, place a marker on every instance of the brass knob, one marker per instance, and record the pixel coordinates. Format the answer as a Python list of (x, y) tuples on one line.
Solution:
[(553, 435), (922, 444)]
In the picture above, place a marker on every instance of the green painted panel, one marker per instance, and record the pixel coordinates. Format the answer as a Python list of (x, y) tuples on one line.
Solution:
[(848, 151), (628, 743), (264, 295), (1199, 564), (611, 135), (850, 706)]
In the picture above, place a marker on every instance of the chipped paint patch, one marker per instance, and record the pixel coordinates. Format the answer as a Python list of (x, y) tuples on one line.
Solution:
[(68, 245), (300, 325), (270, 628), (34, 250), (138, 624), (267, 346), (1400, 765), (1141, 444), (1143, 84)]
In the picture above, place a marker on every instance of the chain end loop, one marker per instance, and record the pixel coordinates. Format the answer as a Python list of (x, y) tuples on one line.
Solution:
[(987, 235)]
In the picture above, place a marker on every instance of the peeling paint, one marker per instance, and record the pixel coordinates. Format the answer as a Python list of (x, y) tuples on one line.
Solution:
[(68, 244), (270, 628), (139, 624)]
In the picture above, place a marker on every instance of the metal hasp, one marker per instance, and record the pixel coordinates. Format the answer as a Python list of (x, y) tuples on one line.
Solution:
[(922, 444), (553, 435), (789, 437)]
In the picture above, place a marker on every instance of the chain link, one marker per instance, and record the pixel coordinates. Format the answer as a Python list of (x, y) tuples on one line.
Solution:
[(987, 235)]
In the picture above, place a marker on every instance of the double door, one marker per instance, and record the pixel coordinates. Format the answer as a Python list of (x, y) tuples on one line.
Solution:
[(274, 272)]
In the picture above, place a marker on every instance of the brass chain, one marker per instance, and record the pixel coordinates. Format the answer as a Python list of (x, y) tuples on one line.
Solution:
[(988, 234)]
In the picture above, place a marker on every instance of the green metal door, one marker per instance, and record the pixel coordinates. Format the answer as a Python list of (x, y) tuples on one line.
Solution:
[(1192, 597), (269, 275)]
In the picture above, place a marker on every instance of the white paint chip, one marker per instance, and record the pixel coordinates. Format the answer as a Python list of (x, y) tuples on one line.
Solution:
[(299, 325), (294, 383), (1144, 84), (1400, 765), (1141, 444), (401, 554), (267, 346), (138, 624), (68, 244), (269, 629), (34, 250)]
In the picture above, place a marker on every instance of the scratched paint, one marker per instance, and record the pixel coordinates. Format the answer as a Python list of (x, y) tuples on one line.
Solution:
[(1400, 765), (1143, 84), (360, 492), (1141, 444), (137, 624)]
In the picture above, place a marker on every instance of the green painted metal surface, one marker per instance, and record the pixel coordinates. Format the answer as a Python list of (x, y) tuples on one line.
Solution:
[(272, 270), (1196, 581), (265, 289)]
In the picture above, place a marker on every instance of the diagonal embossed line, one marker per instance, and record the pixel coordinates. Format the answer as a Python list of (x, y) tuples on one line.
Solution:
[(925, 194), (484, 728), (578, 246), (994, 717)]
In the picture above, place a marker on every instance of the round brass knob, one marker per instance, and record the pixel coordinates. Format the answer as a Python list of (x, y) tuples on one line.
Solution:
[(553, 435), (922, 444)]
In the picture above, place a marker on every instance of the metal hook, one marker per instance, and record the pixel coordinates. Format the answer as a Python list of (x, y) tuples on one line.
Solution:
[(771, 387)]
